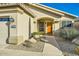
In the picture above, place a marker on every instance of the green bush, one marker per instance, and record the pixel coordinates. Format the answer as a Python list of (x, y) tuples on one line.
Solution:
[(38, 33), (69, 33)]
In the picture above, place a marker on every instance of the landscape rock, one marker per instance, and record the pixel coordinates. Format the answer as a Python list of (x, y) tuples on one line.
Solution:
[(44, 40), (76, 41), (27, 43), (32, 40)]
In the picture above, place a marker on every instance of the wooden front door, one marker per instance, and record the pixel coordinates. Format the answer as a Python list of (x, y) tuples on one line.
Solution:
[(49, 27)]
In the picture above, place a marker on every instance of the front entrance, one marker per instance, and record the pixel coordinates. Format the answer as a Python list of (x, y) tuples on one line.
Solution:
[(45, 25), (49, 28)]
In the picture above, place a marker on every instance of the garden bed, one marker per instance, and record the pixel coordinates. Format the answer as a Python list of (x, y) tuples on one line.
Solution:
[(37, 47)]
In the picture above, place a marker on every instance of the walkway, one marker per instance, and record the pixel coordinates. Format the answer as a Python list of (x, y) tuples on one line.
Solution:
[(52, 41)]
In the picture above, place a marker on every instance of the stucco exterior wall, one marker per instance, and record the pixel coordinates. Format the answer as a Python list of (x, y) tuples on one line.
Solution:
[(22, 27), (56, 26), (33, 25), (12, 30), (67, 19), (20, 32)]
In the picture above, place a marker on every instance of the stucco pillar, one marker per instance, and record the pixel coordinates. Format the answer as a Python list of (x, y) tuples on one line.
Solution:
[(12, 33)]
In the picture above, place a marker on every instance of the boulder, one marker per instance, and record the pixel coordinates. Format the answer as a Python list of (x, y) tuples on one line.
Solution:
[(76, 41), (32, 40), (27, 43), (44, 40)]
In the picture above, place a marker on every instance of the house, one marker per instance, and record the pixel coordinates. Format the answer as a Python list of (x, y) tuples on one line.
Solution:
[(19, 20)]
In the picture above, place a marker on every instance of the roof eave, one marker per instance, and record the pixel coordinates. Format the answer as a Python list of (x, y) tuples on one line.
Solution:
[(59, 11)]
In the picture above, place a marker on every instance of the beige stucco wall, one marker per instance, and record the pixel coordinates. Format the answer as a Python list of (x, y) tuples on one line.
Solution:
[(21, 23), (67, 19), (12, 30), (22, 27), (56, 26), (33, 25)]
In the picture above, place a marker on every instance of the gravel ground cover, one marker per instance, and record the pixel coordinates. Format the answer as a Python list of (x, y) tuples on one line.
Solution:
[(67, 47), (37, 47)]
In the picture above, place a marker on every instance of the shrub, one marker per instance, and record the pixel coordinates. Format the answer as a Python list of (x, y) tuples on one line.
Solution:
[(38, 33), (69, 33)]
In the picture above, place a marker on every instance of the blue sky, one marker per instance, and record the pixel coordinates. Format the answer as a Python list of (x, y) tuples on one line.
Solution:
[(72, 8)]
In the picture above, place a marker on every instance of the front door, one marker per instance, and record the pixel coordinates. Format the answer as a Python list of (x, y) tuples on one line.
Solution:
[(49, 28)]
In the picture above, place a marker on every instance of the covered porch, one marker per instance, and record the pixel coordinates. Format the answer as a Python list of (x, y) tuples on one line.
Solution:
[(46, 25)]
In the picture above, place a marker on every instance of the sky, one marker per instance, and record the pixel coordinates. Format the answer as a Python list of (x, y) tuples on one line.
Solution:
[(72, 8)]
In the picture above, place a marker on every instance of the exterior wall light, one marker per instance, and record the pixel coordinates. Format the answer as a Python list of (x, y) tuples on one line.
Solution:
[(34, 21), (11, 20)]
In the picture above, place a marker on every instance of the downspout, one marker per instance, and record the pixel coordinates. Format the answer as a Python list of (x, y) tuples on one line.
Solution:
[(29, 27), (7, 41)]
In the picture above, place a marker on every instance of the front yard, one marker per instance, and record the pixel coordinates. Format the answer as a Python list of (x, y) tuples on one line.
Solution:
[(66, 46), (64, 39)]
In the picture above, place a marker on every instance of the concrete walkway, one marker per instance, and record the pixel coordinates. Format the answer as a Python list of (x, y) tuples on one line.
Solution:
[(50, 50), (52, 41)]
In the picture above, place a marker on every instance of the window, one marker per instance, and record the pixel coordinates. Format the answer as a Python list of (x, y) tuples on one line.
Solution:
[(41, 26), (69, 24), (66, 23)]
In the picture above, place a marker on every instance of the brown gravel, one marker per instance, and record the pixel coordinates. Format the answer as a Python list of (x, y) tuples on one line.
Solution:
[(37, 47)]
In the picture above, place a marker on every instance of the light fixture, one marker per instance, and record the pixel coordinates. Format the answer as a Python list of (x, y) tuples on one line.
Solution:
[(34, 21)]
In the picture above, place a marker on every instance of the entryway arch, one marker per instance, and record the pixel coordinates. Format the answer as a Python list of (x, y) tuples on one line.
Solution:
[(45, 24)]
